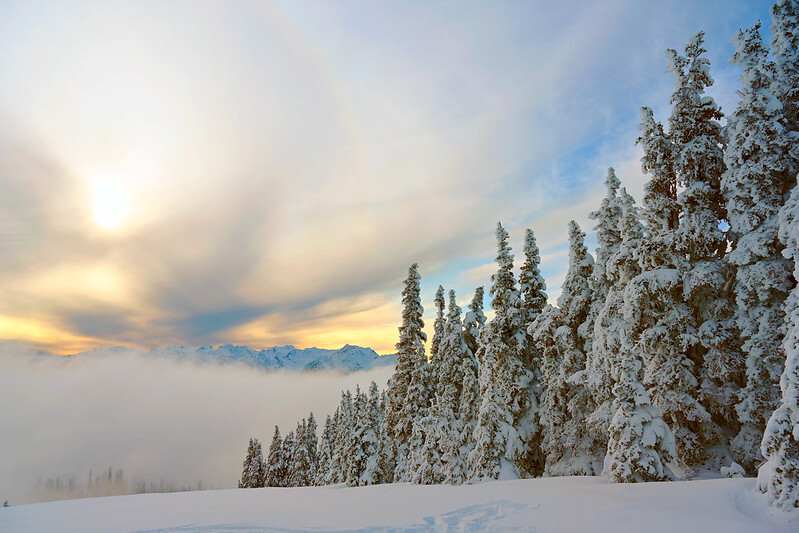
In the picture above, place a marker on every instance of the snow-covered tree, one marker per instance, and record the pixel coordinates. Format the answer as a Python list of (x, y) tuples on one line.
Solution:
[(758, 177), (553, 395), (253, 474), (608, 239), (779, 476), (698, 155), (371, 440), (311, 445), (474, 320), (569, 443), (640, 442), (699, 165), (785, 43), (301, 473), (532, 286), (438, 458), (357, 457), (289, 445), (438, 324), (276, 468), (407, 396), (505, 428), (325, 453), (468, 407)]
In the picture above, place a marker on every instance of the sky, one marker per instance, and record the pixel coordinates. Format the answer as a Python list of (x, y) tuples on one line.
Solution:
[(264, 173)]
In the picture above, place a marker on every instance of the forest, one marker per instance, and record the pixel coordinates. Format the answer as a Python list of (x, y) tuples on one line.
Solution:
[(673, 349)]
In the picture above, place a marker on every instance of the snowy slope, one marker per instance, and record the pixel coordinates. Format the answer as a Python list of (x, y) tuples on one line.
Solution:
[(346, 359), (541, 505)]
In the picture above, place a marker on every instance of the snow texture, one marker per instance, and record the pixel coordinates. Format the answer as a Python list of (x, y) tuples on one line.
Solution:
[(539, 505)]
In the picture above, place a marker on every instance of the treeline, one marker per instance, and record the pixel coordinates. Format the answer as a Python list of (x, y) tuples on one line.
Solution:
[(674, 347), (106, 483)]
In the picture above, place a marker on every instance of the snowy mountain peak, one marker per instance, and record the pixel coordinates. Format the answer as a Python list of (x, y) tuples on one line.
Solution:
[(349, 358)]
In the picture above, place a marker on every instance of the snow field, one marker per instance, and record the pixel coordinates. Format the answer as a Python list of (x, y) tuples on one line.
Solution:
[(540, 505)]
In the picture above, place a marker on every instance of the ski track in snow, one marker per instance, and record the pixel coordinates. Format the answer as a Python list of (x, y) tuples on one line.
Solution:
[(472, 518)]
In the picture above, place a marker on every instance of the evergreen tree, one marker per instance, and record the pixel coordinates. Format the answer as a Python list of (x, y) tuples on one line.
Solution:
[(356, 455), (373, 472), (275, 466), (300, 472), (531, 283), (406, 396), (661, 211), (640, 442), (608, 239), (597, 374), (311, 445), (779, 476), (438, 457), (345, 422), (758, 158), (699, 164), (546, 331), (289, 445), (505, 428), (325, 453), (438, 325), (253, 474), (468, 406), (474, 320), (785, 42), (571, 447)]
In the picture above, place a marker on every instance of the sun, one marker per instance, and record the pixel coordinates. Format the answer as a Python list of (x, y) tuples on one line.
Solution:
[(108, 204)]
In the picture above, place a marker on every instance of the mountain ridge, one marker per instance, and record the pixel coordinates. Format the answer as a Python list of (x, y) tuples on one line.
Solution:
[(348, 358)]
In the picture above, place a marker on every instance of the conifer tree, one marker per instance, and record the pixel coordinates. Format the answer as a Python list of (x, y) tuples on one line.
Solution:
[(275, 466), (372, 473), (253, 474), (758, 158), (289, 445), (504, 428), (601, 314), (357, 457), (640, 442), (565, 398), (531, 284), (474, 320), (608, 239), (438, 458), (547, 331), (300, 471), (438, 325), (341, 441), (785, 43), (325, 453), (779, 476), (311, 445), (698, 157), (468, 407), (406, 396)]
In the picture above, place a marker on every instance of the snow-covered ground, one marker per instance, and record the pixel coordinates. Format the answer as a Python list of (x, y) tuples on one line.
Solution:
[(541, 505)]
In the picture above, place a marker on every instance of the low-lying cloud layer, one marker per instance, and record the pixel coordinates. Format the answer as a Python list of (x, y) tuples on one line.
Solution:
[(154, 418)]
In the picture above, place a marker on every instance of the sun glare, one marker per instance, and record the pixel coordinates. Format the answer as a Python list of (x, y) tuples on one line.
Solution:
[(108, 205)]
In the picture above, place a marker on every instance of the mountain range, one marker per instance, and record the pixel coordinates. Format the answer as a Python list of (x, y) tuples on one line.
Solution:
[(346, 359)]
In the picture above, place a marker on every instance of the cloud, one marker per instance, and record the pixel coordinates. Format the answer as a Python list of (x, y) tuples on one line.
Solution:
[(154, 418), (276, 159)]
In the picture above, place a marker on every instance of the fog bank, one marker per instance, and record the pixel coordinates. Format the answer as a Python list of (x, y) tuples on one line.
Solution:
[(155, 418)]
